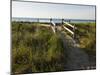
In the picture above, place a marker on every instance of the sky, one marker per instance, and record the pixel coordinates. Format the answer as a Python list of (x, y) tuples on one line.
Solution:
[(49, 10)]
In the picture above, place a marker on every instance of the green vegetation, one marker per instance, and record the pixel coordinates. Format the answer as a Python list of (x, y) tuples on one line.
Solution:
[(35, 49), (86, 35)]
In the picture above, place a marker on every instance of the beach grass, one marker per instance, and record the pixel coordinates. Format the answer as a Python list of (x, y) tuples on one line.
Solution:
[(37, 49)]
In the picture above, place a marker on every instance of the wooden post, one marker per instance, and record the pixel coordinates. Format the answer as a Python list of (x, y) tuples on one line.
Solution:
[(62, 21), (50, 20)]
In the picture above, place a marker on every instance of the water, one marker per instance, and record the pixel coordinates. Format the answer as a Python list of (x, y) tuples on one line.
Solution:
[(47, 20)]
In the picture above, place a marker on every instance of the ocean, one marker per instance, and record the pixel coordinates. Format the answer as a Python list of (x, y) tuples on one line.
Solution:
[(47, 20)]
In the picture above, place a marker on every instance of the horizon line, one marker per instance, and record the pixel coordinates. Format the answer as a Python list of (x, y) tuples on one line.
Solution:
[(53, 18)]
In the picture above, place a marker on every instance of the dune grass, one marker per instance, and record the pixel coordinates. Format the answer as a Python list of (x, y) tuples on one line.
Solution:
[(38, 49), (86, 35), (35, 49)]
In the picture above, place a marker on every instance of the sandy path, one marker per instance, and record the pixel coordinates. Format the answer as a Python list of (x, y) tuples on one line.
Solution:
[(76, 58)]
